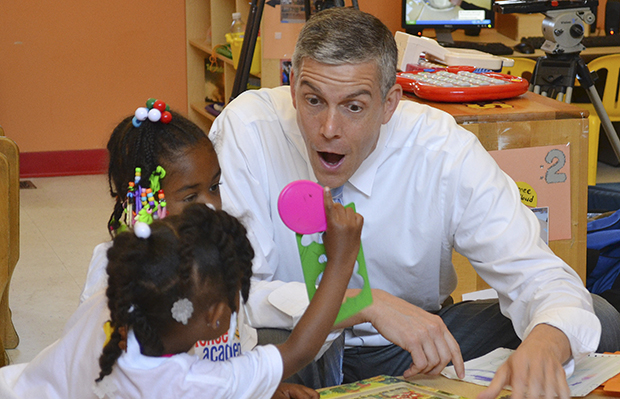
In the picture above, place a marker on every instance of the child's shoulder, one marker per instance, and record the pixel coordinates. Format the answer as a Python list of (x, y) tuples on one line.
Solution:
[(256, 373), (96, 277)]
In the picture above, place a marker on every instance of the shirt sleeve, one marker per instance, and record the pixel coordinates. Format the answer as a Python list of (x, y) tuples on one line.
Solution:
[(237, 143), (500, 236), (97, 276)]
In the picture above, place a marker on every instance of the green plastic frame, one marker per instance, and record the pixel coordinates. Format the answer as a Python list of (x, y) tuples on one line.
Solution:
[(312, 269)]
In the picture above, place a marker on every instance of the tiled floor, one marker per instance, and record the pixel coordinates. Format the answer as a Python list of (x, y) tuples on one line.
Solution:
[(61, 222)]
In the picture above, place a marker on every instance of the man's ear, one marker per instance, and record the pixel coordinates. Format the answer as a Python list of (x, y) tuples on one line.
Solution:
[(391, 102)]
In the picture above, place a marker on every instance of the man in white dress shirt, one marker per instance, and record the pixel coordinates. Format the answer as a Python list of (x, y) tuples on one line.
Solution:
[(424, 186)]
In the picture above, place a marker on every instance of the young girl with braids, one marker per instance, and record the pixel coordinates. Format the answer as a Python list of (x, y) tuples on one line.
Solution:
[(171, 284), (176, 156), (171, 153), (157, 149)]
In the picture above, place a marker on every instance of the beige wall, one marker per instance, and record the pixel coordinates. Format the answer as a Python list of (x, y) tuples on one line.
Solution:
[(70, 70)]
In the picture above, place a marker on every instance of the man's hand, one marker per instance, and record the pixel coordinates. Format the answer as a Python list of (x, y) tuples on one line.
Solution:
[(535, 368), (417, 331), (294, 391)]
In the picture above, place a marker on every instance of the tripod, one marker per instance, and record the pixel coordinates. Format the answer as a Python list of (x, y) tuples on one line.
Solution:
[(554, 74)]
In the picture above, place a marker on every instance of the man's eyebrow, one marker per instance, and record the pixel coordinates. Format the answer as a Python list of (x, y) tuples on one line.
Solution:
[(361, 92), (310, 85)]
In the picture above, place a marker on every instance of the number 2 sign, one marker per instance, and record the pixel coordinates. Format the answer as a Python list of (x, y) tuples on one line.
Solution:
[(543, 177)]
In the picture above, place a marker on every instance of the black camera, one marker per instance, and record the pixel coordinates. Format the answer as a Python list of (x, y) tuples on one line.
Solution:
[(540, 6), (565, 22)]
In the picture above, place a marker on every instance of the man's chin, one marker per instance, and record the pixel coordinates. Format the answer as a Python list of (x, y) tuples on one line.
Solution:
[(330, 177), (331, 181)]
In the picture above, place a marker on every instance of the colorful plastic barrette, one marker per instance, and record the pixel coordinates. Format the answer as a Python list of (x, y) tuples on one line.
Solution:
[(155, 111)]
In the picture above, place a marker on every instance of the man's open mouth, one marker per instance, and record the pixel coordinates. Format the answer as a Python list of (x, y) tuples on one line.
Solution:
[(330, 158)]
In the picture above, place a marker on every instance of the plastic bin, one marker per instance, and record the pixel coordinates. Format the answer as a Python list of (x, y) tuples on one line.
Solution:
[(235, 47)]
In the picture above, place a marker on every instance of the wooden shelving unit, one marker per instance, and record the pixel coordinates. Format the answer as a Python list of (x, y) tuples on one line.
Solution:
[(215, 16), (207, 21), (197, 103)]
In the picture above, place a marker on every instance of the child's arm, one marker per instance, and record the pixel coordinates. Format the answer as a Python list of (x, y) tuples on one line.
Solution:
[(342, 244)]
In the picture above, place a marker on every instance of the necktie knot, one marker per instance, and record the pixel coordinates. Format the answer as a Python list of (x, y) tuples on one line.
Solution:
[(337, 194)]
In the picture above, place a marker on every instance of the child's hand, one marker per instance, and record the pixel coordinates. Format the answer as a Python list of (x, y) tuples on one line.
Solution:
[(342, 244), (294, 391), (344, 229)]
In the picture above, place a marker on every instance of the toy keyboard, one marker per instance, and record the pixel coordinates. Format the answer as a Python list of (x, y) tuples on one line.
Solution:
[(461, 84)]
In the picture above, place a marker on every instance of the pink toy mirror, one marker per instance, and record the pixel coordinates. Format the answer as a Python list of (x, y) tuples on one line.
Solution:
[(301, 207)]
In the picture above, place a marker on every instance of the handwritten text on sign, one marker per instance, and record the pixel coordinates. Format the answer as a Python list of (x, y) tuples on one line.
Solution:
[(543, 177)]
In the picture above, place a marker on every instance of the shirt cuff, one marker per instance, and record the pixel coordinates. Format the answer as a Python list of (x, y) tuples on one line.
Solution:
[(581, 327)]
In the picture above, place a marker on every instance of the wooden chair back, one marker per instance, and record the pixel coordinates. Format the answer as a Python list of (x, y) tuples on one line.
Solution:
[(9, 235)]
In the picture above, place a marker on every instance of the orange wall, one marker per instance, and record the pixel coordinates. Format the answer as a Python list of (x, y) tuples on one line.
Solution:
[(71, 70), (388, 11)]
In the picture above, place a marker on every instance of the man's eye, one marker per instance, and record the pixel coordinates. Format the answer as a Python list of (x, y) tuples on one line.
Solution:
[(214, 188), (190, 198), (313, 101), (355, 108)]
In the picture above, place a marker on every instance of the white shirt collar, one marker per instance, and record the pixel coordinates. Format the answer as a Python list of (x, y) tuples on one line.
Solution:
[(364, 177)]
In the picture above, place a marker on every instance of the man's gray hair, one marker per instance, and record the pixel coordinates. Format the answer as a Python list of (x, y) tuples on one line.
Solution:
[(340, 35)]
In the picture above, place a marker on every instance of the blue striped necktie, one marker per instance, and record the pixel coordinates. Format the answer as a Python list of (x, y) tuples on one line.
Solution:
[(337, 194)]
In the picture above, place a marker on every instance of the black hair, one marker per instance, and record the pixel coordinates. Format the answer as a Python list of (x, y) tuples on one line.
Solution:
[(184, 253), (146, 147)]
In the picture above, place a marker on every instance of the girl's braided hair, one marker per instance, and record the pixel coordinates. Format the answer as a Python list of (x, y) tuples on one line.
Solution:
[(146, 147), (184, 254)]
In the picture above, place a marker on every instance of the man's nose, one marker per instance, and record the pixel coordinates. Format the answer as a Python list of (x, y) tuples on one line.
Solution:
[(330, 128)]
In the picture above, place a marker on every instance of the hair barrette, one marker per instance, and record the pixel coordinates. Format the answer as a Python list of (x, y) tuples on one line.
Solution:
[(144, 204), (142, 230), (155, 111), (182, 310)]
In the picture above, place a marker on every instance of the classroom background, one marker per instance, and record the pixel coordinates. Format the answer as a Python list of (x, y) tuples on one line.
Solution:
[(69, 72)]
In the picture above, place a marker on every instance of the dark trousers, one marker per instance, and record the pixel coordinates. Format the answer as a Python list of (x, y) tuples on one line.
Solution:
[(478, 327), (322, 373)]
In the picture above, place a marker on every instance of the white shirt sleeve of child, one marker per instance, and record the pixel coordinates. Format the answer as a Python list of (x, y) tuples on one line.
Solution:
[(97, 276), (266, 364)]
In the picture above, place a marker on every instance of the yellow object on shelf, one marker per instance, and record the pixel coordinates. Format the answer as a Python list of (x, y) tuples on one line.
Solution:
[(235, 47)]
